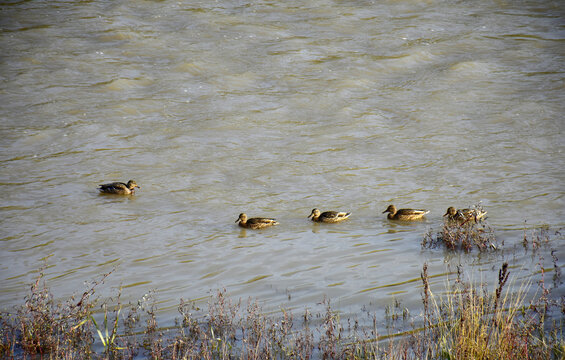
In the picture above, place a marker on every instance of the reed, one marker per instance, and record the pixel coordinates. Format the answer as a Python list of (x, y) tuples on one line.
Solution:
[(472, 322)]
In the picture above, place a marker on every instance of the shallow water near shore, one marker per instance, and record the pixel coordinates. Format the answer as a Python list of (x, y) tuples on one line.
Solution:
[(218, 108)]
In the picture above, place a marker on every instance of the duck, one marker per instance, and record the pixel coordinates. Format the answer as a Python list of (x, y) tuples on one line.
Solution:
[(404, 214), (256, 222), (464, 215), (119, 188), (328, 216)]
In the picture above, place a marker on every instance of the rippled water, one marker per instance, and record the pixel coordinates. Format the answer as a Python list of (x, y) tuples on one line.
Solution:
[(272, 108)]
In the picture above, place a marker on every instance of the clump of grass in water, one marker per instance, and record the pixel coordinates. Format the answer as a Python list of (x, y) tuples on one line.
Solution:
[(464, 235), (228, 330), (471, 323), (539, 236), (41, 327)]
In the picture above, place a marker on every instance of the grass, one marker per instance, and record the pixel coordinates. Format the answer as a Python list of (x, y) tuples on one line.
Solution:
[(473, 323), (42, 327), (466, 320)]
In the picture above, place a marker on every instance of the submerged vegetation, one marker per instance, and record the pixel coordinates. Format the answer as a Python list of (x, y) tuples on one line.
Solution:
[(466, 321)]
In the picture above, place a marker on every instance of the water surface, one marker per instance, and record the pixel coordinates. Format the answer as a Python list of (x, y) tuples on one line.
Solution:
[(273, 108)]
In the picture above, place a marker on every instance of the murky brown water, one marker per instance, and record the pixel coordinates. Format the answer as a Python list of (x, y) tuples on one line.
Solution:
[(272, 108)]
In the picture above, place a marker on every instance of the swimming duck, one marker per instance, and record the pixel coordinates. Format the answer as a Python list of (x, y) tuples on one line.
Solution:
[(255, 223), (464, 215), (328, 216), (404, 214), (119, 188)]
